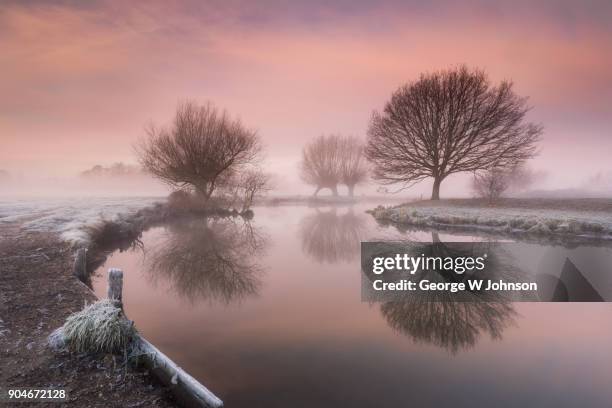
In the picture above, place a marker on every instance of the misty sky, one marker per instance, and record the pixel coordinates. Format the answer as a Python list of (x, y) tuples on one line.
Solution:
[(78, 82)]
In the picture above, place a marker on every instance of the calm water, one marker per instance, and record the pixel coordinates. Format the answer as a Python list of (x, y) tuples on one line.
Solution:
[(269, 314)]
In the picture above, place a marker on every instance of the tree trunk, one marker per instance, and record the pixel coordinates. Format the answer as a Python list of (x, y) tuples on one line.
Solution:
[(317, 191), (435, 192), (435, 238), (351, 190), (334, 190), (202, 192)]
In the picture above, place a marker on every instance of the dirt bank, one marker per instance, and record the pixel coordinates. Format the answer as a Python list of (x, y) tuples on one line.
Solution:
[(37, 293)]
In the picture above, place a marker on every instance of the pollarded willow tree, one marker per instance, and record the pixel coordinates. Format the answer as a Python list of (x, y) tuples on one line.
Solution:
[(330, 160), (448, 122), (203, 149), (353, 165), (320, 164)]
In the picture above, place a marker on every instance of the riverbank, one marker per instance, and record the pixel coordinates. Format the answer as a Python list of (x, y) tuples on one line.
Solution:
[(37, 293), (553, 218)]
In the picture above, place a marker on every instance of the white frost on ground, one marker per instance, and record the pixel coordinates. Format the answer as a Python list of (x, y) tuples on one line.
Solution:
[(68, 216), (505, 220)]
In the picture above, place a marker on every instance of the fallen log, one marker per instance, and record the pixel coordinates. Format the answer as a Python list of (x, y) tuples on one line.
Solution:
[(186, 388)]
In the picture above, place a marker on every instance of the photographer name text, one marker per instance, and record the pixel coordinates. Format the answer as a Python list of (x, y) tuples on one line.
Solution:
[(475, 285)]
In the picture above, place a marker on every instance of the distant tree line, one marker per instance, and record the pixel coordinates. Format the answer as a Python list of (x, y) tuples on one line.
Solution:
[(116, 170)]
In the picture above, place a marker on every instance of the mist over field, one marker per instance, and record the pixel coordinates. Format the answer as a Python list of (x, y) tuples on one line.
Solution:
[(81, 83), (285, 184)]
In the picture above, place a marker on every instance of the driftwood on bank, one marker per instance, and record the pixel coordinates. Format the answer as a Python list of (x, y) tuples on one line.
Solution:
[(186, 388)]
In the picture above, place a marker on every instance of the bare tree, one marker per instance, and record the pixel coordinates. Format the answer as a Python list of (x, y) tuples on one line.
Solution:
[(354, 169), (493, 182), (253, 183), (334, 159), (243, 189), (448, 122), (202, 149), (321, 163)]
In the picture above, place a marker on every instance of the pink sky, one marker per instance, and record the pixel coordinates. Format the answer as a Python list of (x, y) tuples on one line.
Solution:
[(79, 83)]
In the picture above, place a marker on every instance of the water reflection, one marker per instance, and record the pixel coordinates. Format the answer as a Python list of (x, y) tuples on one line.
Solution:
[(309, 335), (454, 326), (208, 259), (454, 321), (330, 238)]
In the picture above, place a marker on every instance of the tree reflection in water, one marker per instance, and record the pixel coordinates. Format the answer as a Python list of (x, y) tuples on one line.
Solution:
[(454, 326), (331, 238), (454, 321), (212, 259)]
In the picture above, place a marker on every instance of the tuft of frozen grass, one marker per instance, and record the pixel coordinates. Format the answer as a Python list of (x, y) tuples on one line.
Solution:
[(99, 327)]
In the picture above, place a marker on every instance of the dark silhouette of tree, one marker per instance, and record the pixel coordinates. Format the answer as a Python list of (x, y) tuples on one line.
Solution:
[(448, 122), (353, 168), (209, 259), (202, 149)]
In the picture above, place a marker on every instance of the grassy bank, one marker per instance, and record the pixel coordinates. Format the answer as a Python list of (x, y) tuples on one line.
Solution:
[(570, 219)]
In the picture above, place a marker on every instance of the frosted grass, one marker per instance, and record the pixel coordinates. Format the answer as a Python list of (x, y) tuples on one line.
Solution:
[(69, 216)]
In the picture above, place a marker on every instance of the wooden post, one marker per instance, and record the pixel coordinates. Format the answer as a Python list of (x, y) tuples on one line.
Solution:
[(115, 285), (80, 264)]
